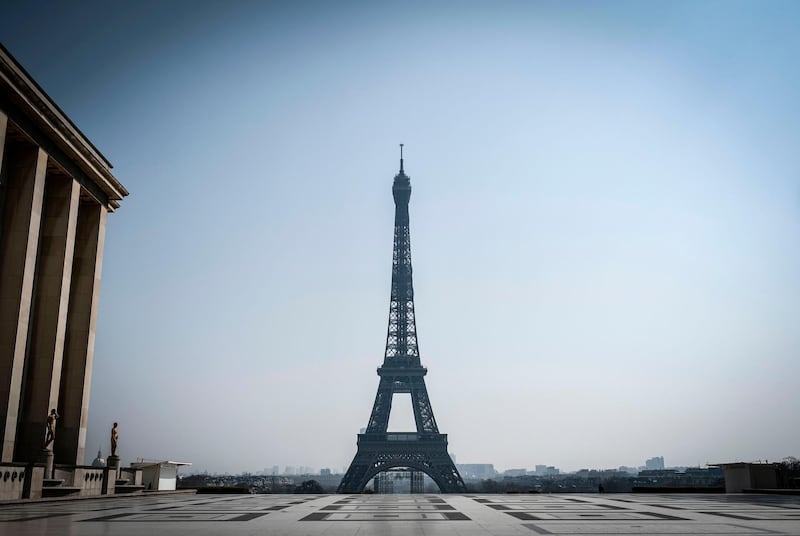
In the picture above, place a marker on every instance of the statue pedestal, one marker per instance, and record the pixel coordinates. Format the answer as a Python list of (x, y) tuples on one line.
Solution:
[(112, 462), (46, 457)]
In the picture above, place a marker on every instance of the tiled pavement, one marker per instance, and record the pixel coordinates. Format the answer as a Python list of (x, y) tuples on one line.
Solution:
[(459, 515)]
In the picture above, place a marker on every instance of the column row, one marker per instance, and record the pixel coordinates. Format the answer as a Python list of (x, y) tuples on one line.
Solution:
[(51, 244)]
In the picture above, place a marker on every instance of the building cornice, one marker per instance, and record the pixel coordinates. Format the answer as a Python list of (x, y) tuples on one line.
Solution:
[(40, 109)]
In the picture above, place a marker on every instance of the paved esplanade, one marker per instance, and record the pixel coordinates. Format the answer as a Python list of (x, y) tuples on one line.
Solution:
[(459, 515)]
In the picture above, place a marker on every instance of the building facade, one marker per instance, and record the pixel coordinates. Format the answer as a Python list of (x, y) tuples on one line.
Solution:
[(399, 481), (56, 191)]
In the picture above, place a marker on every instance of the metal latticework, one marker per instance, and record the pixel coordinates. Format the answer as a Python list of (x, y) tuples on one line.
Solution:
[(402, 372)]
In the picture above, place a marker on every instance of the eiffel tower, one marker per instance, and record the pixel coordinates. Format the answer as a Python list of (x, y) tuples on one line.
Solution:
[(402, 372)]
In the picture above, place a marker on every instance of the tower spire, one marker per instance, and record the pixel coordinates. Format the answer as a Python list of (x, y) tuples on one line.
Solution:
[(401, 158)]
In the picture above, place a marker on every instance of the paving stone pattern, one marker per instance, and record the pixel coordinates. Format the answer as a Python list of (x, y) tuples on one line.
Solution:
[(458, 515)]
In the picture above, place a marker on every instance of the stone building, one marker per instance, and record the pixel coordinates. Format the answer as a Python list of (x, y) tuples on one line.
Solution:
[(56, 191)]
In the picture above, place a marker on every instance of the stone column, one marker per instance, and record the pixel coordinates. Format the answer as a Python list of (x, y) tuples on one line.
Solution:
[(23, 174), (42, 374), (109, 481), (76, 376), (3, 125), (32, 488), (113, 464)]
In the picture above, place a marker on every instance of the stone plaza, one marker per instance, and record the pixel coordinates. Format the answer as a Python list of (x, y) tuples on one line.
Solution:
[(461, 515)]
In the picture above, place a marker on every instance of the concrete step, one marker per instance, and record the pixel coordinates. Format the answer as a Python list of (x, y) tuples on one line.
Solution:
[(59, 491), (52, 482), (128, 488)]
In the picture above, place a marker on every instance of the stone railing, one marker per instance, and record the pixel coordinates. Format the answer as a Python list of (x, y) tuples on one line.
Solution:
[(20, 481)]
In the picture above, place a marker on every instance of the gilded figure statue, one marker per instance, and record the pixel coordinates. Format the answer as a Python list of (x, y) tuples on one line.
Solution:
[(50, 435), (114, 439)]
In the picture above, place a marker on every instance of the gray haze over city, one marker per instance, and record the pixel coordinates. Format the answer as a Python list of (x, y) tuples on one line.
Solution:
[(604, 223)]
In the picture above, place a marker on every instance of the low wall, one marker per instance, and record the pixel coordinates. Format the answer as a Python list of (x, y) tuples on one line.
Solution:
[(90, 480), (133, 476), (12, 481), (20, 481), (25, 481)]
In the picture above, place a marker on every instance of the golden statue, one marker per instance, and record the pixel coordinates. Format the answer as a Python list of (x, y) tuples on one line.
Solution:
[(114, 439), (51, 428)]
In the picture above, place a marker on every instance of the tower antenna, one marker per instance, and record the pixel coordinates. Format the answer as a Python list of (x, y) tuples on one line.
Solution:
[(401, 158)]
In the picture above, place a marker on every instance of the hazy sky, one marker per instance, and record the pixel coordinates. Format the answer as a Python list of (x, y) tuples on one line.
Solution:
[(605, 219)]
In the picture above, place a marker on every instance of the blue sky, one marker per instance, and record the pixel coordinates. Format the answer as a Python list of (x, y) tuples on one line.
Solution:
[(605, 218)]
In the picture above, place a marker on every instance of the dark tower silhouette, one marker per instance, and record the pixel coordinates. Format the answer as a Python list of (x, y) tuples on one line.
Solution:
[(402, 372)]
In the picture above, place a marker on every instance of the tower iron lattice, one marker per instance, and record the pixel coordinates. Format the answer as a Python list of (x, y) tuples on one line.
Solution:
[(402, 372)]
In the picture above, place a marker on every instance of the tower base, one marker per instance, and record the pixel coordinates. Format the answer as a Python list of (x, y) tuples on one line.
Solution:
[(426, 452)]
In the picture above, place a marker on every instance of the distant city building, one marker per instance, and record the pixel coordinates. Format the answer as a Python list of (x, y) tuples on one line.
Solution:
[(383, 483), (545, 470), (289, 470), (325, 472), (655, 463), (515, 472), (399, 482), (476, 470), (275, 469), (629, 470)]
